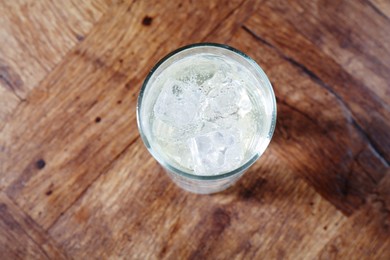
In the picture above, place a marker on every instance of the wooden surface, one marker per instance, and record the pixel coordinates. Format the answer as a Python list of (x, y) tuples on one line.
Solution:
[(76, 182)]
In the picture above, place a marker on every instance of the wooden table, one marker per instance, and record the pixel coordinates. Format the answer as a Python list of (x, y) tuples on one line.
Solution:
[(77, 182)]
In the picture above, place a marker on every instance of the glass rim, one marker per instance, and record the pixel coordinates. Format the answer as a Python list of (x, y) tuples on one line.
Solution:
[(172, 168)]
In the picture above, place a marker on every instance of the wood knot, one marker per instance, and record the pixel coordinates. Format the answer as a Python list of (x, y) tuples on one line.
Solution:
[(80, 37), (147, 21), (40, 164)]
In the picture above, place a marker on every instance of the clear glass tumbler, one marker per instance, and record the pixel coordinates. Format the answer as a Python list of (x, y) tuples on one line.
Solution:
[(187, 178)]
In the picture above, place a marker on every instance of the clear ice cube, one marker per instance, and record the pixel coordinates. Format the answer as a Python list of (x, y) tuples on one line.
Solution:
[(216, 152), (227, 99), (216, 80), (178, 103)]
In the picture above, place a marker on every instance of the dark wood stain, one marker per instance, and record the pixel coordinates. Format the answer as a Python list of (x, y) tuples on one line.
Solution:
[(221, 220), (7, 218), (9, 78), (128, 85), (99, 63), (215, 224), (254, 191)]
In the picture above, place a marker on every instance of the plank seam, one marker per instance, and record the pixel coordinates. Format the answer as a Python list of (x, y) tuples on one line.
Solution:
[(224, 19), (46, 235), (324, 85), (377, 10), (48, 71)]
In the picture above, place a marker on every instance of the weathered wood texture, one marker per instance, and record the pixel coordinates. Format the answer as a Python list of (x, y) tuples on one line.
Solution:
[(34, 37), (21, 237), (77, 182)]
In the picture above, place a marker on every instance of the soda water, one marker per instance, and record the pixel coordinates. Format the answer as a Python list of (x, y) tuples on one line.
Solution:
[(208, 114)]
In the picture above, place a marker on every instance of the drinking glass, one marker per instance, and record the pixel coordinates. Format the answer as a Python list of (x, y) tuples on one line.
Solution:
[(186, 179)]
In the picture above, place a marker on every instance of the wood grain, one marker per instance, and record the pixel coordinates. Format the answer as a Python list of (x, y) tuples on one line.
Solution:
[(382, 7), (323, 148), (76, 181), (34, 37), (172, 223), (302, 46), (104, 74), (373, 221), (21, 237)]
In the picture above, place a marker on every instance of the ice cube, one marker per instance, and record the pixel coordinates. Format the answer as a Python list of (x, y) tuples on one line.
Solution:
[(216, 80), (164, 131), (178, 153), (216, 152), (227, 99), (178, 103)]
